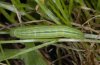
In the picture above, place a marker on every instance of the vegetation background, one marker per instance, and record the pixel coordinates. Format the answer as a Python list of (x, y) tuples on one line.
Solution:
[(80, 14)]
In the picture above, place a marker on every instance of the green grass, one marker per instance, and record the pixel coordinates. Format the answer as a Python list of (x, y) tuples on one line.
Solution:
[(52, 12)]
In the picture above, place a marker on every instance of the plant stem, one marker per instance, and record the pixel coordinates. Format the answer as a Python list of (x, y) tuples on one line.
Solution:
[(3, 32), (46, 40)]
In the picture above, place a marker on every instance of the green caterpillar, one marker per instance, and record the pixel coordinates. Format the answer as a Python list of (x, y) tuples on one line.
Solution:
[(44, 32)]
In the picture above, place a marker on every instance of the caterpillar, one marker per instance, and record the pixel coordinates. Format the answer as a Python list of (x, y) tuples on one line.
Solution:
[(44, 32)]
